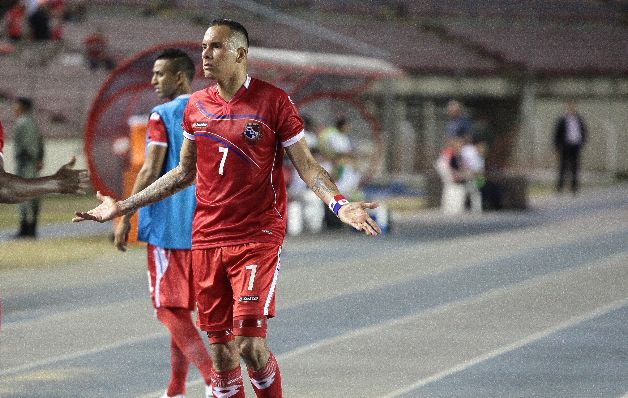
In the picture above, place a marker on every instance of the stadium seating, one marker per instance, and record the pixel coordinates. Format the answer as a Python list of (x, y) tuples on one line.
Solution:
[(424, 37)]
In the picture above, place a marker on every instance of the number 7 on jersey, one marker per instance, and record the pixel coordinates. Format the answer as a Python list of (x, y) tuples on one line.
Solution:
[(224, 151)]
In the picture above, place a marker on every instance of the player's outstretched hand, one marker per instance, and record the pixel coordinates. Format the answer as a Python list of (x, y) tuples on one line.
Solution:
[(354, 214), (121, 234), (70, 180), (107, 210)]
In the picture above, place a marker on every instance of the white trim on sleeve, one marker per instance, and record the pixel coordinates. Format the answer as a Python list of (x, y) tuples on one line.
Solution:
[(188, 135), (158, 143), (293, 140)]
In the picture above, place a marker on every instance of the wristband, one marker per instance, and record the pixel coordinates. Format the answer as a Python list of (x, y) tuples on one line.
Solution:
[(336, 203)]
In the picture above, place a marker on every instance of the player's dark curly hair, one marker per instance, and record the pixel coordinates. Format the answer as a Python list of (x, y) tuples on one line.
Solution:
[(234, 26), (180, 61)]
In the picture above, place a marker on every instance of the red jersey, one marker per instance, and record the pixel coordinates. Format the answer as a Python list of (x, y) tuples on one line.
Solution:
[(15, 19), (240, 190)]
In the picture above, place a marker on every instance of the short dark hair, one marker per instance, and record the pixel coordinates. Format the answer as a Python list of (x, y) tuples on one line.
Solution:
[(25, 103), (179, 61), (234, 26)]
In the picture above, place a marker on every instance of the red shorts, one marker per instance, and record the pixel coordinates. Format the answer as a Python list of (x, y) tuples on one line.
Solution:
[(170, 277), (236, 283)]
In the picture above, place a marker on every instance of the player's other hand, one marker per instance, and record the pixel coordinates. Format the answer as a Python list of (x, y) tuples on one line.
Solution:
[(107, 210), (354, 214), (70, 180), (121, 234)]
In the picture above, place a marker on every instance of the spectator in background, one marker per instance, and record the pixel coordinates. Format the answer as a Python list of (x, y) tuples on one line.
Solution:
[(570, 135), (97, 51), (335, 140), (472, 159), (56, 19), (449, 168), (459, 125), (29, 157), (39, 23), (15, 22)]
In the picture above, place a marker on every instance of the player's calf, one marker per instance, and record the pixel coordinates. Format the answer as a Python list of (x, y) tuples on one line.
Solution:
[(262, 366)]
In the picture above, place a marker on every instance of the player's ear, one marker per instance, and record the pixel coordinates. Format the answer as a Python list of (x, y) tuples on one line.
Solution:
[(242, 54), (181, 77)]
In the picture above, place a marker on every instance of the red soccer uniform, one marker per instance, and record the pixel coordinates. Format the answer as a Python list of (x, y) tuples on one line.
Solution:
[(240, 191)]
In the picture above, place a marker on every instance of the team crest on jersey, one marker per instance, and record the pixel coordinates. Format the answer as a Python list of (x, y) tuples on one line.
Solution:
[(252, 132)]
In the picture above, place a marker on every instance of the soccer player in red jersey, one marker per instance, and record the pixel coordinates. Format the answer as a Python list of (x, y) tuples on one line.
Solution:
[(236, 133), (15, 189), (166, 225)]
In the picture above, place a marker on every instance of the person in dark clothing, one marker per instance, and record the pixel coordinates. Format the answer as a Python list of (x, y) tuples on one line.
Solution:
[(29, 157), (39, 23), (570, 135)]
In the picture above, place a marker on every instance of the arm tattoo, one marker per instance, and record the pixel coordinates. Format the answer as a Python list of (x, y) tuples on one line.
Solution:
[(322, 183), (168, 184)]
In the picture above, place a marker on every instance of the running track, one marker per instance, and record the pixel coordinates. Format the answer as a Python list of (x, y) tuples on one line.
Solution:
[(530, 304)]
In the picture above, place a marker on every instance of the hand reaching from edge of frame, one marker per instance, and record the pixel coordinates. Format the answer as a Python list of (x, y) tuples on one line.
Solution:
[(107, 210), (354, 214), (70, 180)]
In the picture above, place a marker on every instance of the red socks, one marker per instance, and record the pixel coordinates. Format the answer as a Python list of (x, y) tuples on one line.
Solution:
[(178, 370), (186, 345), (267, 381), (227, 384)]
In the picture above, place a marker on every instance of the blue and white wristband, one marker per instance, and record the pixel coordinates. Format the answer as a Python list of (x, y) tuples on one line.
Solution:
[(336, 203)]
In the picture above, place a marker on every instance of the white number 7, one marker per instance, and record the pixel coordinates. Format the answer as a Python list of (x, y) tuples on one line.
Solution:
[(224, 151), (253, 269)]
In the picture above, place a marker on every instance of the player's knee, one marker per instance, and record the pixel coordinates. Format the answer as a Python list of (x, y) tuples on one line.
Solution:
[(253, 351), (224, 355)]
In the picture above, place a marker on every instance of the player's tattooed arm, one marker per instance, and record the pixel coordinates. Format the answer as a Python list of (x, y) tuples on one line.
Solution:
[(321, 183), (175, 180), (311, 172)]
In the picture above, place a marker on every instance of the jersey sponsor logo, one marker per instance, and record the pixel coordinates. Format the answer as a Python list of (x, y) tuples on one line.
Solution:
[(252, 132), (249, 298), (199, 124)]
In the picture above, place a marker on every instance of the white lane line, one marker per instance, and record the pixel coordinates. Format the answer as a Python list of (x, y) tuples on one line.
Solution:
[(615, 305), (77, 354)]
